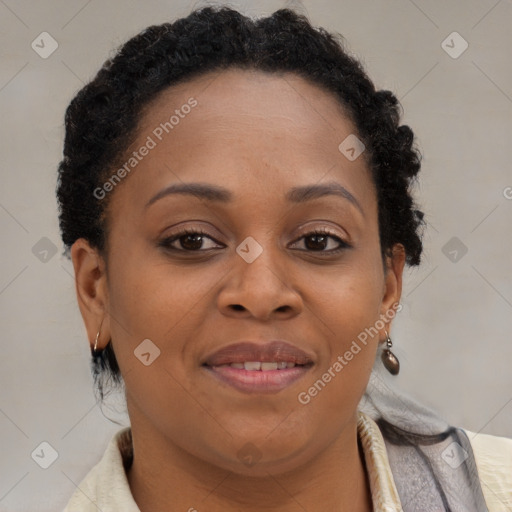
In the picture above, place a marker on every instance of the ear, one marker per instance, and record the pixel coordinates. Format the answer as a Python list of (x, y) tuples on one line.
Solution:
[(392, 289), (91, 291)]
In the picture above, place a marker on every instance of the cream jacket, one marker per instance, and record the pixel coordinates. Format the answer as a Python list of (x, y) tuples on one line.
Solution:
[(106, 486)]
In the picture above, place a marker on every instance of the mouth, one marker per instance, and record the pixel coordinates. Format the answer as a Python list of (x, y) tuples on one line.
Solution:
[(258, 368)]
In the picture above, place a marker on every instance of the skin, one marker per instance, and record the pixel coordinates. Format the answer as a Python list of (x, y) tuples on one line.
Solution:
[(258, 135)]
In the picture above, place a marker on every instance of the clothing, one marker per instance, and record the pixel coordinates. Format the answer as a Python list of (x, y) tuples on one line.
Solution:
[(106, 486)]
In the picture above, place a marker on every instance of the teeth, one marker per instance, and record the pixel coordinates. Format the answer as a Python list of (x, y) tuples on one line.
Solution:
[(258, 365), (252, 365)]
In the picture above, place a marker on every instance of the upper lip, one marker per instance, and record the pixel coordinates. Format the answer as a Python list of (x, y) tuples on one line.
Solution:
[(275, 350)]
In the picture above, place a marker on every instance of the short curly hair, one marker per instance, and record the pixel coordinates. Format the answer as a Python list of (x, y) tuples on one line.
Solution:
[(102, 120)]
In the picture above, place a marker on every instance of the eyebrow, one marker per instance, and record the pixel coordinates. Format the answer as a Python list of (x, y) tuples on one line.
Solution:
[(219, 194)]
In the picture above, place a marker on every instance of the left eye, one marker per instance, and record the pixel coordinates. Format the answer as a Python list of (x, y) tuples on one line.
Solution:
[(321, 238), (192, 241)]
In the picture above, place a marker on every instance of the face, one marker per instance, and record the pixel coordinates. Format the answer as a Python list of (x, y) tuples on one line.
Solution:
[(271, 262)]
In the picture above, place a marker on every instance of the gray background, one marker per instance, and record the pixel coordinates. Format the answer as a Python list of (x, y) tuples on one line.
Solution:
[(453, 335)]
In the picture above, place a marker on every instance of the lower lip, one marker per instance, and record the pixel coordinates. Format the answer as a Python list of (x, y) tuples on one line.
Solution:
[(257, 381)]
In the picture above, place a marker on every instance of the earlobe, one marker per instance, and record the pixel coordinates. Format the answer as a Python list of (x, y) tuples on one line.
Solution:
[(91, 290)]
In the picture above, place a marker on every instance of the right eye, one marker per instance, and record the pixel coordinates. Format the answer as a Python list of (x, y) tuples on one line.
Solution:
[(191, 240)]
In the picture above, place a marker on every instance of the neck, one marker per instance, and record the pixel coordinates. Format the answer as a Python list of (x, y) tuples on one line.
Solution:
[(162, 474)]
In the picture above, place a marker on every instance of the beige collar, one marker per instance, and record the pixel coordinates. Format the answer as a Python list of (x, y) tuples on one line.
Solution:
[(106, 486), (384, 494)]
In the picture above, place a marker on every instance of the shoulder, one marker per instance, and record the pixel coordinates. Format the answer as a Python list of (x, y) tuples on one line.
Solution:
[(493, 458), (106, 485)]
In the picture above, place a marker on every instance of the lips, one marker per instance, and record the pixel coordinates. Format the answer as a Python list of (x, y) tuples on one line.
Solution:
[(258, 368), (272, 352)]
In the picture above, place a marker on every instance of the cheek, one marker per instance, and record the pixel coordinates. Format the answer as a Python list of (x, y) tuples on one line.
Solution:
[(170, 308), (154, 299), (347, 299), (349, 310)]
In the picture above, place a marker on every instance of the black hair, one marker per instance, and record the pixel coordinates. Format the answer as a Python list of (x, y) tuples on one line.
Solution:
[(101, 121)]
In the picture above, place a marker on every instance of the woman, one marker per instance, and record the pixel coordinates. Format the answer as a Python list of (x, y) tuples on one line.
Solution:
[(235, 198)]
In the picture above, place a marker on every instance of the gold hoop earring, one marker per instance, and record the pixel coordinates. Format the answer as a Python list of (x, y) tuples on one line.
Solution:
[(94, 351), (389, 359)]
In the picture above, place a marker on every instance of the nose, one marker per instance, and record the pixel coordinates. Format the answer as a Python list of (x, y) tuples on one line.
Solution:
[(263, 289)]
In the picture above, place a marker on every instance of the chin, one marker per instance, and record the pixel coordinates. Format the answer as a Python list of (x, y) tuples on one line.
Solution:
[(260, 456)]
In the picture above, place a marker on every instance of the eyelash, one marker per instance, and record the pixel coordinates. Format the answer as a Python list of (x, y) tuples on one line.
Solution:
[(166, 243)]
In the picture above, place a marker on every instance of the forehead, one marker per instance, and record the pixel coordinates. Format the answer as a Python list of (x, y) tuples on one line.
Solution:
[(253, 98), (245, 129)]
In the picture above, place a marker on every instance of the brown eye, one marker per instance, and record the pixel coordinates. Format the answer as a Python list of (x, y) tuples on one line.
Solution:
[(190, 240), (318, 241)]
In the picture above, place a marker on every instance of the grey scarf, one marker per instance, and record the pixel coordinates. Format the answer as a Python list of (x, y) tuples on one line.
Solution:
[(432, 462)]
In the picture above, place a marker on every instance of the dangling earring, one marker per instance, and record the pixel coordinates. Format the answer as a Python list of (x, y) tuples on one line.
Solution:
[(389, 359)]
